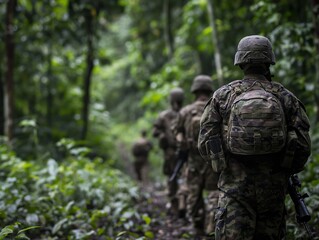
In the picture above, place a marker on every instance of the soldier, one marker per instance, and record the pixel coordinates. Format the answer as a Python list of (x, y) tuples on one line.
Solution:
[(255, 132), (140, 151), (162, 130), (199, 175)]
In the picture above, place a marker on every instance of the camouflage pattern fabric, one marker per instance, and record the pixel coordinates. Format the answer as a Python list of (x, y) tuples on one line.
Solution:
[(172, 186), (140, 151), (212, 206), (141, 168), (199, 175), (162, 129), (254, 187), (257, 122), (182, 191), (251, 205), (202, 216)]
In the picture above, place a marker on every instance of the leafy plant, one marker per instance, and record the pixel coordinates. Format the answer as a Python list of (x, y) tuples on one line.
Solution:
[(13, 232), (77, 198)]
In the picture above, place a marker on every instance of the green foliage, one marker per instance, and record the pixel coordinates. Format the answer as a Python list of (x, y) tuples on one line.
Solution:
[(76, 198), (13, 232), (132, 77)]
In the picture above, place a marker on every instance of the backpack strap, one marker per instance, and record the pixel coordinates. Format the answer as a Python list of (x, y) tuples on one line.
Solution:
[(236, 88), (276, 89)]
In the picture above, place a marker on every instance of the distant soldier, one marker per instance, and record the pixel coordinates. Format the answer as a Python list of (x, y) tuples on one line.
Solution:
[(255, 132), (162, 130), (140, 151), (199, 174)]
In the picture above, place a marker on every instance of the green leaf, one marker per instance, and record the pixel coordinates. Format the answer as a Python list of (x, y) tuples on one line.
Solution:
[(121, 233), (28, 228), (147, 219), (6, 231), (58, 226), (149, 234), (28, 123), (22, 236), (61, 9)]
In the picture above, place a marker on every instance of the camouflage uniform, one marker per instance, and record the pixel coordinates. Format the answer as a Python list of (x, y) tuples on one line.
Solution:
[(163, 130), (140, 151), (199, 175), (252, 202)]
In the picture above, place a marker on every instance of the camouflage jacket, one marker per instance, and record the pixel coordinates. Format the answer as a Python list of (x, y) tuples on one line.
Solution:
[(217, 111), (163, 126), (141, 148), (184, 138)]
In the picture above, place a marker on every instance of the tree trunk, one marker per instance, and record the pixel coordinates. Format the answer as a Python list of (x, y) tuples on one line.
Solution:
[(315, 8), (9, 84), (88, 74), (49, 88), (167, 28), (218, 61)]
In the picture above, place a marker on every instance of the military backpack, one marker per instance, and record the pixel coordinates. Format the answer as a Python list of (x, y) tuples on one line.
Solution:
[(140, 148), (194, 124), (256, 123)]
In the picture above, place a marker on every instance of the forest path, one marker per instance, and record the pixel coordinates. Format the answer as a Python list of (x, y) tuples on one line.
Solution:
[(163, 226)]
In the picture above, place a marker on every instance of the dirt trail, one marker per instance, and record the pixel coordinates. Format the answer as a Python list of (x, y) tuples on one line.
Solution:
[(163, 226)]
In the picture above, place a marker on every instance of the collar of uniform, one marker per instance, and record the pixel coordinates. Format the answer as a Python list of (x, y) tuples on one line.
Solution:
[(259, 77)]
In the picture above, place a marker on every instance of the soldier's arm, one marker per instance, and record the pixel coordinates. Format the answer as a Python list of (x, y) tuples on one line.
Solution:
[(300, 123), (210, 126), (158, 127), (179, 130)]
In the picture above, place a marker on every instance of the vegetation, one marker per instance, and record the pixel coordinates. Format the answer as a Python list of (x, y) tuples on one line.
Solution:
[(80, 79), (77, 198)]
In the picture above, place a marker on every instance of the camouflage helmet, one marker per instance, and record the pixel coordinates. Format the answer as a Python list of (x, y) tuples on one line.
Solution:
[(203, 83), (254, 49), (177, 95)]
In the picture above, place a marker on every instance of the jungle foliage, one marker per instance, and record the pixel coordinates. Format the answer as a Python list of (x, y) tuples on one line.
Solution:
[(88, 76)]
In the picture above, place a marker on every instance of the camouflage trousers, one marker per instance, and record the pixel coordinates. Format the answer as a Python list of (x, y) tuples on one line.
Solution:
[(202, 211), (251, 204), (141, 166), (182, 191), (172, 186)]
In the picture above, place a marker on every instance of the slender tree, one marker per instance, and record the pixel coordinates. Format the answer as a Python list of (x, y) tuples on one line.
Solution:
[(9, 80), (89, 19), (218, 61), (49, 97)]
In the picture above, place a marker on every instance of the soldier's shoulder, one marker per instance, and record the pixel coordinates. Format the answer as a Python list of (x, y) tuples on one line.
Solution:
[(287, 95), (208, 102), (165, 112), (201, 104), (226, 89), (184, 109), (283, 90)]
